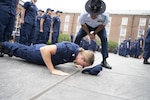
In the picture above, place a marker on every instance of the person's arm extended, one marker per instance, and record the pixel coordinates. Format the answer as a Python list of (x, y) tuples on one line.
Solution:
[(99, 28), (41, 24), (22, 15), (46, 53), (51, 28), (141, 44), (84, 27)]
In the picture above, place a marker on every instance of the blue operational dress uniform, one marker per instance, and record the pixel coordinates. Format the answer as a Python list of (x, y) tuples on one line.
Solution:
[(56, 29), (7, 18), (44, 37), (66, 52), (146, 54), (92, 45), (84, 44), (92, 25), (128, 42), (37, 33), (140, 42), (28, 28), (133, 49)]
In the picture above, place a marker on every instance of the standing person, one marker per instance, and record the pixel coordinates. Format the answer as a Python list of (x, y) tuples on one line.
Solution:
[(7, 18), (37, 35), (72, 37), (55, 27), (146, 54), (45, 25), (51, 55), (93, 22), (140, 43), (28, 22), (128, 42)]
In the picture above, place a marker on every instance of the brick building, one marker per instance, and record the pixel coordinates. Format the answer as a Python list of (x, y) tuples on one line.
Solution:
[(120, 27)]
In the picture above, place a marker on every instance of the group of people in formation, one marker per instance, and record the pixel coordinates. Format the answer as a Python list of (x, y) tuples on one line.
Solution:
[(137, 49), (36, 26), (132, 49)]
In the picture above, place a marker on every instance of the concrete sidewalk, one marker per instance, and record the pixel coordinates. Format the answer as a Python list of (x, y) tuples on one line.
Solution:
[(129, 79)]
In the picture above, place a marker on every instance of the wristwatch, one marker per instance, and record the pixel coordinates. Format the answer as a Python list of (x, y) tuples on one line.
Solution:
[(91, 32)]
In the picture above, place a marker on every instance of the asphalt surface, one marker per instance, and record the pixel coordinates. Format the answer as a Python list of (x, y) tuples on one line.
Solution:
[(129, 79)]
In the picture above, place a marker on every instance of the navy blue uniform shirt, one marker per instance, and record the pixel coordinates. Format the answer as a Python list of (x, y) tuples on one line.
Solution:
[(38, 23), (56, 24), (147, 38), (9, 6), (47, 22), (30, 13), (66, 52)]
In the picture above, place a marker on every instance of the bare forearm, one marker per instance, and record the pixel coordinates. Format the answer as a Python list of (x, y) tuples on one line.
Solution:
[(84, 27), (41, 24), (22, 15), (99, 29), (46, 55)]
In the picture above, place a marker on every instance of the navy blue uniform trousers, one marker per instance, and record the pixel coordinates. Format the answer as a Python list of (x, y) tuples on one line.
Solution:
[(29, 53), (27, 32), (101, 35), (146, 54), (55, 36), (7, 21)]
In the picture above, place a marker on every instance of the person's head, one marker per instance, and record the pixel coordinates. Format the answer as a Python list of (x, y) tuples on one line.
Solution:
[(40, 12), (34, 1), (58, 13), (84, 58), (148, 25), (95, 8), (49, 11), (142, 35)]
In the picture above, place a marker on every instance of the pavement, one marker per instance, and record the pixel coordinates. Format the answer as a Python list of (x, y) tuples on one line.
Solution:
[(129, 79)]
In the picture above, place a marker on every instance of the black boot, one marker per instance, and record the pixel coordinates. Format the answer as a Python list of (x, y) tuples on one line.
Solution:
[(146, 61), (1, 51), (105, 65)]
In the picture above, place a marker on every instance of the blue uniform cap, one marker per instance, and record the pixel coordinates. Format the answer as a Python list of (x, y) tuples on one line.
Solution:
[(58, 11), (49, 9), (93, 71)]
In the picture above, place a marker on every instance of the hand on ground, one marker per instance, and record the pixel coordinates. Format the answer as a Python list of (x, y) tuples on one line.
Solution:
[(59, 72)]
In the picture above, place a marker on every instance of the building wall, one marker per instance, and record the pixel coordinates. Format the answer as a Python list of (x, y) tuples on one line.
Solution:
[(132, 27)]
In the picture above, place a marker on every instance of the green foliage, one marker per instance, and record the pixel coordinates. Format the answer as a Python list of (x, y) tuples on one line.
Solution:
[(48, 42), (63, 37), (98, 42), (66, 37), (112, 45)]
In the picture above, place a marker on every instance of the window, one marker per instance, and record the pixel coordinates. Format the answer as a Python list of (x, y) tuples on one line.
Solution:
[(78, 25), (66, 24), (67, 18), (142, 22), (124, 21), (109, 21), (123, 31), (140, 32)]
